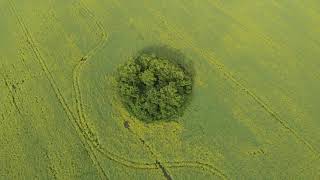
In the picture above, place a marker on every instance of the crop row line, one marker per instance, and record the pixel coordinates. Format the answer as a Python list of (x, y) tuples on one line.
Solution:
[(93, 138), (228, 75), (52, 83), (80, 126), (259, 100)]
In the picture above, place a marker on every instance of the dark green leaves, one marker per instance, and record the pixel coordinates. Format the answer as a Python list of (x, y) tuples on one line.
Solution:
[(153, 88)]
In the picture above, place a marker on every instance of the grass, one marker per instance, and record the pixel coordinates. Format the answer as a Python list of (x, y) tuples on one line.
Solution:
[(254, 110)]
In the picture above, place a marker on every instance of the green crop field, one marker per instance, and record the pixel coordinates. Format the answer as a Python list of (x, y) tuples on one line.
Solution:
[(253, 113)]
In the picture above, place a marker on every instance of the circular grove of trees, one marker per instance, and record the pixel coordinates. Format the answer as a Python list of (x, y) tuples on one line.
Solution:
[(153, 88)]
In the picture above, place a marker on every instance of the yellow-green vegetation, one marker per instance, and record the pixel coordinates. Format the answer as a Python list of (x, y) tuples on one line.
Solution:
[(153, 88), (254, 108)]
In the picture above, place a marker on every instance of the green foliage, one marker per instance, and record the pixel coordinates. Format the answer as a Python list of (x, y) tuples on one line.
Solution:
[(153, 88)]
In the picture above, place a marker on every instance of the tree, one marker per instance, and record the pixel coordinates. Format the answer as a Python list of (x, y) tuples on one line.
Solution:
[(153, 88)]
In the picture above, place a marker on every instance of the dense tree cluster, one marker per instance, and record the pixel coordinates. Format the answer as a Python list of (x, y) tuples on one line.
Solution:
[(153, 88)]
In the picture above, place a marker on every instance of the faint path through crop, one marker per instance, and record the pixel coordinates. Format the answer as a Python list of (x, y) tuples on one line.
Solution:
[(56, 90), (80, 109), (91, 137), (170, 164), (253, 95), (228, 75), (81, 126)]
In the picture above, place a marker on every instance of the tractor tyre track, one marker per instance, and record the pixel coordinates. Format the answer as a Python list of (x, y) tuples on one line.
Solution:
[(228, 75), (79, 126), (92, 137), (82, 123), (56, 90)]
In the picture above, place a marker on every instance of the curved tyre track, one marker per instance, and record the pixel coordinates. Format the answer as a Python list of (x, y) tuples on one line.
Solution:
[(56, 90), (86, 136), (229, 76), (93, 138)]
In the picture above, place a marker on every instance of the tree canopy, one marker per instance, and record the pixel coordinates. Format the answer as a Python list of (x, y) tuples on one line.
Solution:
[(153, 88)]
